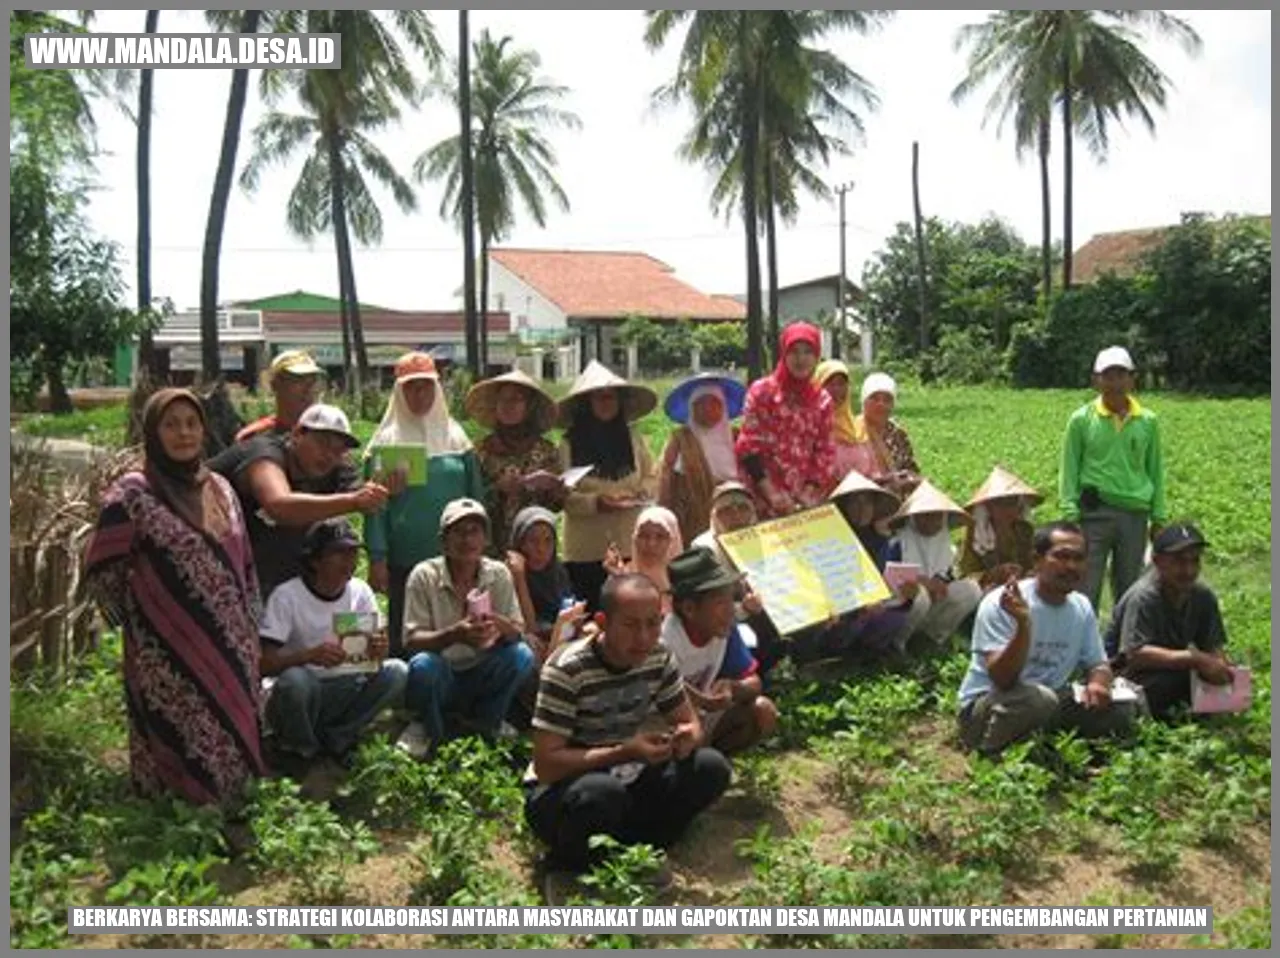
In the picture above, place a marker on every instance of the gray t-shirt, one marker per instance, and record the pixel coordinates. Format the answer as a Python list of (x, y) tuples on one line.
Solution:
[(1143, 616), (1064, 638)]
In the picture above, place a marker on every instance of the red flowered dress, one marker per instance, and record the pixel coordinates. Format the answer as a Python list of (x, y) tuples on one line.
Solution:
[(792, 434)]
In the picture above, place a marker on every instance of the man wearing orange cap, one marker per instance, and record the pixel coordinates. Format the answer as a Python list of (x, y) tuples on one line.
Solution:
[(295, 381)]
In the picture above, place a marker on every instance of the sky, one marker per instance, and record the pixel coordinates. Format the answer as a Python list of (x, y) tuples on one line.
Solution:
[(629, 190)]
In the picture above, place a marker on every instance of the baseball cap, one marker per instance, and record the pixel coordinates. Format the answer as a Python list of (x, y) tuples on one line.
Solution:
[(460, 509), (415, 366), (1113, 356), (329, 534), (697, 570), (295, 362), (1176, 537), (324, 418)]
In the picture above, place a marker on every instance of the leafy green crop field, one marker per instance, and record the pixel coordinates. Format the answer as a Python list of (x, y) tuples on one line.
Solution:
[(863, 798)]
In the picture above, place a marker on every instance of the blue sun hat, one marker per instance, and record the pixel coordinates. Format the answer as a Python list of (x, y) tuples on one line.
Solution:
[(681, 397)]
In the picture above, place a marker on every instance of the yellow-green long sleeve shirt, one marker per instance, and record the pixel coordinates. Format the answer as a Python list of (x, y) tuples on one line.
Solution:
[(1123, 460)]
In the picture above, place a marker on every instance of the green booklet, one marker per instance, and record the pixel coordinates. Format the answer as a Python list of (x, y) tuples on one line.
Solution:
[(412, 460)]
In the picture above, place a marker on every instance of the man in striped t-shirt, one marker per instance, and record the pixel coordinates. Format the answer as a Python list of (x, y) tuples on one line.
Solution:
[(594, 770)]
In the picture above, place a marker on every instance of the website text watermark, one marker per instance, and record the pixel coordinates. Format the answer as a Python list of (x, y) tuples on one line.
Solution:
[(210, 51)]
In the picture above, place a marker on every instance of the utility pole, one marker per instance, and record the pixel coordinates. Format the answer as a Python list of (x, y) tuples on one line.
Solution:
[(842, 189)]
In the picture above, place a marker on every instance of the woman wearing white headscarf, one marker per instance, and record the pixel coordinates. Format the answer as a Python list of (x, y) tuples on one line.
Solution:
[(700, 453), (881, 449), (408, 530)]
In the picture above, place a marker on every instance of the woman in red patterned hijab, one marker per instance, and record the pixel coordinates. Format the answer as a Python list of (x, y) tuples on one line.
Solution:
[(786, 449)]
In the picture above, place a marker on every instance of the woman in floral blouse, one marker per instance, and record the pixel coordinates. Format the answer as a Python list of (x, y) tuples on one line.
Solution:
[(521, 466), (786, 449), (882, 448)]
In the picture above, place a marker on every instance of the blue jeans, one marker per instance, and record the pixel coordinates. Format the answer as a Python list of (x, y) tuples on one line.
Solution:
[(482, 693), (310, 712)]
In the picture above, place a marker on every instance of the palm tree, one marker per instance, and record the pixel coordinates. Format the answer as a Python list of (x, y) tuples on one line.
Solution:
[(342, 107), (1089, 63), (805, 92), (145, 97), (468, 213), (510, 105), (717, 56), (1024, 93), (762, 97), (210, 357)]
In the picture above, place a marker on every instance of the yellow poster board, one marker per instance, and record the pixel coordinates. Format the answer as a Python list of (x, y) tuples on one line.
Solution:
[(806, 567)]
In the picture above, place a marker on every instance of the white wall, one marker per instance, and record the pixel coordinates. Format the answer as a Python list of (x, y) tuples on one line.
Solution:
[(529, 309)]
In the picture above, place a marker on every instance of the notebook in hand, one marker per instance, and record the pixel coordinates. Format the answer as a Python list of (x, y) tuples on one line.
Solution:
[(898, 574)]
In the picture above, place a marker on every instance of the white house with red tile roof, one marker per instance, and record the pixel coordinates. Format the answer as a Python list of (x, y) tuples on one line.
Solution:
[(561, 295)]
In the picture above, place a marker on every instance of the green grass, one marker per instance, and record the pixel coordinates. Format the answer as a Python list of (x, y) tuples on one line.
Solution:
[(862, 799)]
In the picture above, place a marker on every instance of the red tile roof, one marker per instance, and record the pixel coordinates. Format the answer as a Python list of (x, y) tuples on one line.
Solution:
[(1119, 252), (613, 285)]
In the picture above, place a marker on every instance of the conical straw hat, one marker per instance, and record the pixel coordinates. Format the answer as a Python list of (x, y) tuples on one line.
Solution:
[(637, 401), (886, 501), (1003, 484), (483, 396), (929, 498)]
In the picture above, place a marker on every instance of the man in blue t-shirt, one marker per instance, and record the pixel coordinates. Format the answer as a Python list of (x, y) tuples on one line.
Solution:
[(1029, 639)]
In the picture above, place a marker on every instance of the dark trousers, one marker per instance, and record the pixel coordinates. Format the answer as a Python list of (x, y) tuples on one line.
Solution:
[(1166, 690), (588, 578), (398, 579), (654, 809)]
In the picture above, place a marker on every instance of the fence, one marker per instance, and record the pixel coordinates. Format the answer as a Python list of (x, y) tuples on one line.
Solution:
[(51, 510), (48, 628)]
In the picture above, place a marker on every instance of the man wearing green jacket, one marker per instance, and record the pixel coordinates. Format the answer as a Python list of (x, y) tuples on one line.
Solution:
[(1112, 476)]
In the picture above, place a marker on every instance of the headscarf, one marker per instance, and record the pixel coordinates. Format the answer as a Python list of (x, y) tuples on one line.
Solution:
[(549, 585), (657, 515), (799, 390), (934, 554), (604, 445), (437, 430), (716, 441), (185, 487), (843, 419), (862, 431)]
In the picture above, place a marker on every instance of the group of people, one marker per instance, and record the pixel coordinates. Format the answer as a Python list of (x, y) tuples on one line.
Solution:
[(544, 588)]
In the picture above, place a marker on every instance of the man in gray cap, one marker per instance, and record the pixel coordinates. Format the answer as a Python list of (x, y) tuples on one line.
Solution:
[(465, 632), (1168, 625)]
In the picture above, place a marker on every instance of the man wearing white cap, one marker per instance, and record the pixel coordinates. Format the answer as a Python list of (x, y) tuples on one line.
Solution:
[(1112, 476)]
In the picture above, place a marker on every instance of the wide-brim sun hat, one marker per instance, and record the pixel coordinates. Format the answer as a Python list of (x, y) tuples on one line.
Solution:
[(678, 402), (1003, 484), (886, 502), (482, 400), (637, 401), (928, 498)]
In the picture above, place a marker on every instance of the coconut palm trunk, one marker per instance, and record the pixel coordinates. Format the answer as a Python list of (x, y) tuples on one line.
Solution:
[(771, 254), (210, 358), (482, 321), (346, 269), (1046, 210), (146, 93), (468, 196), (750, 186), (1067, 198)]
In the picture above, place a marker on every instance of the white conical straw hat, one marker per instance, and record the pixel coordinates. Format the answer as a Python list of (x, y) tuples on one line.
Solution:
[(482, 397), (1003, 484), (637, 401), (929, 498), (886, 501)]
